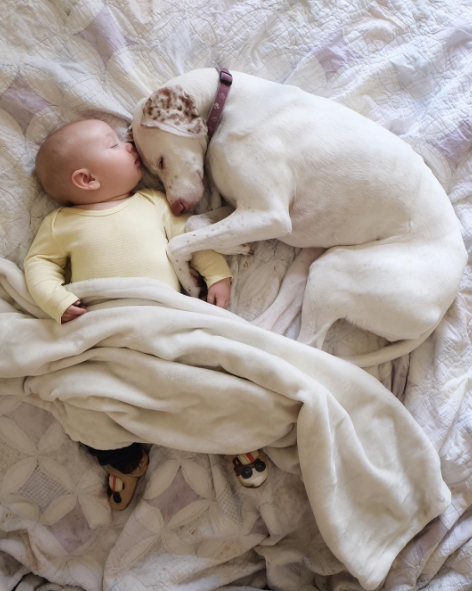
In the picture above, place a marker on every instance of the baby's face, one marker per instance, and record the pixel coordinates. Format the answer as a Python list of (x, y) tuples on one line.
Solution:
[(114, 163)]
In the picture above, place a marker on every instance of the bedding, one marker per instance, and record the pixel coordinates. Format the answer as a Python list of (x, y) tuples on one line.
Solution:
[(149, 365), (405, 65)]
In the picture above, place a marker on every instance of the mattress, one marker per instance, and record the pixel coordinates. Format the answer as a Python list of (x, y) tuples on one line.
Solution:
[(406, 65)]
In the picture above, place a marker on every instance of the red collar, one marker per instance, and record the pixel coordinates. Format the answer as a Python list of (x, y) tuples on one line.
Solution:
[(221, 95)]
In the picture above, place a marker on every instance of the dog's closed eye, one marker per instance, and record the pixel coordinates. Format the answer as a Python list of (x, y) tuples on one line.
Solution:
[(160, 163)]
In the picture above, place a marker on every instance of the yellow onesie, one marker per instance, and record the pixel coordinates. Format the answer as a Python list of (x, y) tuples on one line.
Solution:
[(128, 240)]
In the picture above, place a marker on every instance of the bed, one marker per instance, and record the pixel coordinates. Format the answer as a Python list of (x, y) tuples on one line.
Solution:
[(405, 65)]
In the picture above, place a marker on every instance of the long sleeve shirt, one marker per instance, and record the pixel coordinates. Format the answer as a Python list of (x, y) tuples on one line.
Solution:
[(128, 240)]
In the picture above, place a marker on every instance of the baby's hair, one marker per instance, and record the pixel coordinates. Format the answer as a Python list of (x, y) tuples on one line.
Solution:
[(53, 163)]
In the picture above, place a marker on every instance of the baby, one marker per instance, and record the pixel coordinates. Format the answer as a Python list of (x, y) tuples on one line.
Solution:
[(105, 229)]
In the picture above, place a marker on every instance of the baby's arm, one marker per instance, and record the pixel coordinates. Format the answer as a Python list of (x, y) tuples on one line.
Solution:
[(211, 265), (44, 273)]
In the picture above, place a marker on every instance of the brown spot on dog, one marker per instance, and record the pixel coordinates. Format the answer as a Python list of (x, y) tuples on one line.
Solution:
[(172, 107)]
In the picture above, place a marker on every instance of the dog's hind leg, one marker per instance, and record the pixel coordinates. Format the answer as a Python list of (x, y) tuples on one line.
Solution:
[(397, 291), (323, 302), (284, 309)]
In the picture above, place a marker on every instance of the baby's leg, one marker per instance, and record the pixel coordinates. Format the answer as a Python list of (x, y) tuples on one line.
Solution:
[(124, 467)]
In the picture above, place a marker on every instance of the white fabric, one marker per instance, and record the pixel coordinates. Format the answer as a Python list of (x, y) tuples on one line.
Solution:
[(406, 65), (146, 364)]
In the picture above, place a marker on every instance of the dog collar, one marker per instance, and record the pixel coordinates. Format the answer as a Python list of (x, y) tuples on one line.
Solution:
[(221, 95)]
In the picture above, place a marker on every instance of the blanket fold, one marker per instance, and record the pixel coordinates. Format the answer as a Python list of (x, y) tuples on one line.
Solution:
[(147, 364)]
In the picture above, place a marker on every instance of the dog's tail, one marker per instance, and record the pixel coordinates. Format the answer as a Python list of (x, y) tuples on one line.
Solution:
[(390, 352)]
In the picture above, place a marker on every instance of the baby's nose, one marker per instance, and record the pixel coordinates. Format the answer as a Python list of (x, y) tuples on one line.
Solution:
[(129, 146)]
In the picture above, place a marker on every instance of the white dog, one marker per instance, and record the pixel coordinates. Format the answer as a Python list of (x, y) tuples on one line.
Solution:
[(311, 173)]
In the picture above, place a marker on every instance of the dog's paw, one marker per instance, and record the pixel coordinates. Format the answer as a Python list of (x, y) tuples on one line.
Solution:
[(197, 222), (192, 289), (180, 263), (188, 281), (244, 249)]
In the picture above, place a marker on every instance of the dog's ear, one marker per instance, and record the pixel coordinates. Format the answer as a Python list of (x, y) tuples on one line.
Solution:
[(172, 109)]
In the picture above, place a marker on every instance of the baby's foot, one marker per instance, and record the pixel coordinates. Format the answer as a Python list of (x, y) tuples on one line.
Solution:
[(121, 486), (250, 468)]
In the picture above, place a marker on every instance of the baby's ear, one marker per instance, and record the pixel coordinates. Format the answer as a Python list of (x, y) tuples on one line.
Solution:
[(173, 110), (84, 180)]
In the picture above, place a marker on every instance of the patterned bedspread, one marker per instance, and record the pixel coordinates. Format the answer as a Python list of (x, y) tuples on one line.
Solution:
[(408, 66)]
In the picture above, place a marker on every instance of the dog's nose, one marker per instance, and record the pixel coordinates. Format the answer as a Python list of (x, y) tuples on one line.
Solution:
[(178, 207)]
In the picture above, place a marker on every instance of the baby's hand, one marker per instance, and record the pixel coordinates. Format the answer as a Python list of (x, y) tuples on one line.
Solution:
[(77, 309), (219, 293)]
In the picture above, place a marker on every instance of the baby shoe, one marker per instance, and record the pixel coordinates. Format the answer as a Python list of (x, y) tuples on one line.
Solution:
[(121, 486), (250, 468)]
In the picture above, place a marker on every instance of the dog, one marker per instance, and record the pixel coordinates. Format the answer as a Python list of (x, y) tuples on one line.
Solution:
[(315, 175)]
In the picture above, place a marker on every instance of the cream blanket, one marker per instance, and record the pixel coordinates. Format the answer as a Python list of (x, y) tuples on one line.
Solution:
[(147, 364)]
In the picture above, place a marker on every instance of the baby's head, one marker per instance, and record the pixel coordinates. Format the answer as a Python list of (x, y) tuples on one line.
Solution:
[(85, 162)]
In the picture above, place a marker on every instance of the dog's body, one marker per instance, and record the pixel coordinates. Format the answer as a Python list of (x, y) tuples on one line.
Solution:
[(311, 173)]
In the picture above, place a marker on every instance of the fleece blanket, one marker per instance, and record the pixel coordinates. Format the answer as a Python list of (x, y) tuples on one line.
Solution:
[(147, 364), (406, 65)]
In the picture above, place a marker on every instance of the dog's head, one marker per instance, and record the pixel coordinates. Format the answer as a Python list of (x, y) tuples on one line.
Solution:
[(170, 137)]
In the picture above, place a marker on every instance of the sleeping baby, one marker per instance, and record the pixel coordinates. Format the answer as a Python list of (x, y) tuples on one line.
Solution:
[(106, 229)]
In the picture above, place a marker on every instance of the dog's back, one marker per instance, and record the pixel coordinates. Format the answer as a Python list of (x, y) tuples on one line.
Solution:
[(352, 181)]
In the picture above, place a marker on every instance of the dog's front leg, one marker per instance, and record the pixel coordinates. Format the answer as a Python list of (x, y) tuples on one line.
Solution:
[(202, 220), (240, 227), (197, 222)]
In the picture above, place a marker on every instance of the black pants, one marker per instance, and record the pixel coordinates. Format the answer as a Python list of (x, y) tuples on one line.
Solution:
[(124, 460)]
